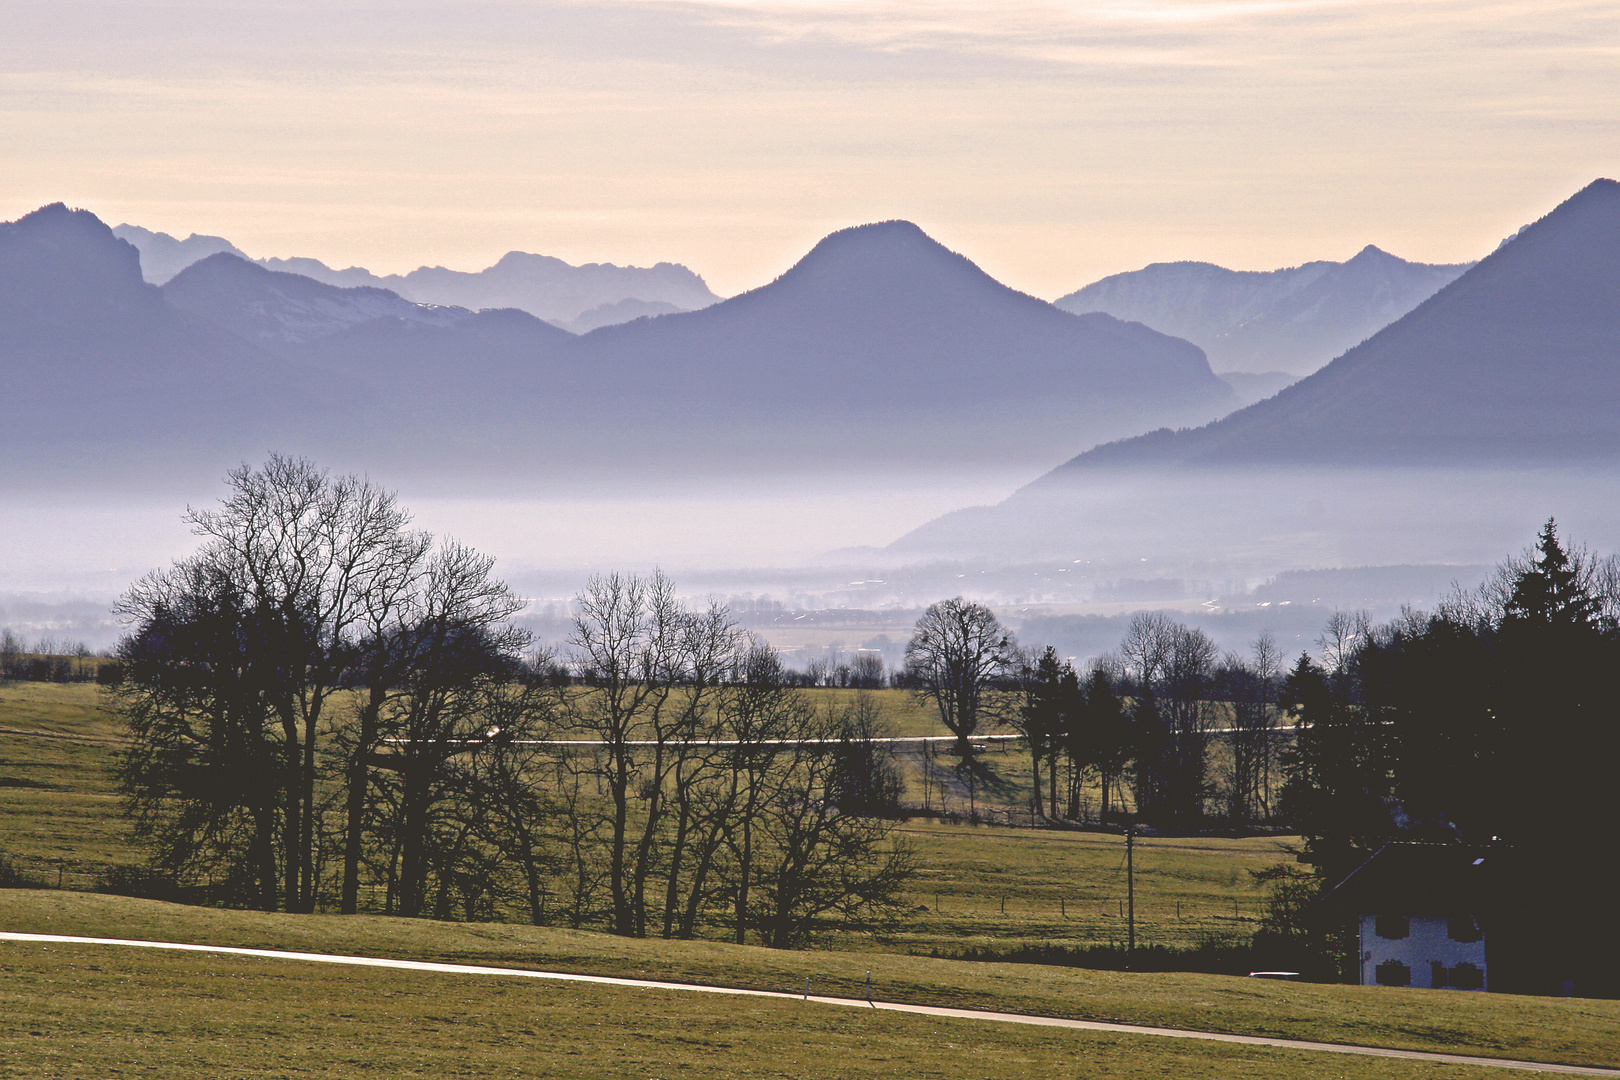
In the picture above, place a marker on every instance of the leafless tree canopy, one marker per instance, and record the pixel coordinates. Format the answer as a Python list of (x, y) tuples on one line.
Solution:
[(724, 788), (957, 655), (328, 705)]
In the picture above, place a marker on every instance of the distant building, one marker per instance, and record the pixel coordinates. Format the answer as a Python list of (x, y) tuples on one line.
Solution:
[(1498, 918), (1421, 912)]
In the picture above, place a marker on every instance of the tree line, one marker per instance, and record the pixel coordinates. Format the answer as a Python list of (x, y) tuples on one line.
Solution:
[(50, 659), (1491, 722), (1139, 726), (331, 708)]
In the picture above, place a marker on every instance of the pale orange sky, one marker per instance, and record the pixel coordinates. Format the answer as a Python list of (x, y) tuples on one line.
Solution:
[(1052, 143)]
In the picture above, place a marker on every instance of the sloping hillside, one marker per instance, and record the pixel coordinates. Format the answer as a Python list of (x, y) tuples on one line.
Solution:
[(1517, 361), (1458, 429)]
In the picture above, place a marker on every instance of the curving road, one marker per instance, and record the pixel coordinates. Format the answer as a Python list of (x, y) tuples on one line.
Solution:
[(923, 1010)]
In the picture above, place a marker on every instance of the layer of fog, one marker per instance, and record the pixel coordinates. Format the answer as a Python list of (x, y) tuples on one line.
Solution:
[(1262, 520), (66, 557), (805, 564)]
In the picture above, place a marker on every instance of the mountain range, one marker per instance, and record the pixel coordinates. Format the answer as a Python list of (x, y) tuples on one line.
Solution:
[(1492, 404), (98, 364), (1517, 361), (879, 348), (577, 298), (1292, 320)]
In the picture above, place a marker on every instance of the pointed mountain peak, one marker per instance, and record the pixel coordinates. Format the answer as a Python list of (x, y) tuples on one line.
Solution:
[(881, 256), (64, 267), (1597, 205), (1511, 361), (1602, 187), (58, 243), (1580, 235)]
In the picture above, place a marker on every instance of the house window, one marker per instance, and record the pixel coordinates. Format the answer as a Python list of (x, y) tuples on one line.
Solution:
[(1437, 975), (1462, 928), (1466, 976), (1393, 973), (1392, 927)]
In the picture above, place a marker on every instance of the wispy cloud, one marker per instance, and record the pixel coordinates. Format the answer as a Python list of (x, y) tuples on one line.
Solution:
[(1053, 141)]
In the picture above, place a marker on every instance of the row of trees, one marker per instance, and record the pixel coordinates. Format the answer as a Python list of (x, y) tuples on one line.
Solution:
[(1493, 717), (328, 705), (1141, 722), (862, 671), (1492, 721), (47, 659)]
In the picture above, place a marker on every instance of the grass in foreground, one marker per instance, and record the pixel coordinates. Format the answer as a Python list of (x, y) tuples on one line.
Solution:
[(1575, 1031), (75, 1011)]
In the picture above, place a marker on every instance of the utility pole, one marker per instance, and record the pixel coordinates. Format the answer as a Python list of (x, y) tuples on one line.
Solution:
[(1130, 895)]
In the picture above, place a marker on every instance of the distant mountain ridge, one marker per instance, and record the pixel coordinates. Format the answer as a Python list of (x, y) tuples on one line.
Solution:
[(1491, 406), (1292, 320), (282, 312), (163, 256), (72, 299), (879, 349), (578, 298), (878, 311), (1518, 360)]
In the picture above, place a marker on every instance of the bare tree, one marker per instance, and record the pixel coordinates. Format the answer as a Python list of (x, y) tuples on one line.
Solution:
[(382, 661), (1171, 666), (1342, 637), (799, 843), (290, 556), (958, 654), (1250, 690), (462, 661), (866, 671), (653, 670)]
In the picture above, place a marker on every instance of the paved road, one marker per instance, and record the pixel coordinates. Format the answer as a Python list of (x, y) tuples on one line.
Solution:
[(924, 1010)]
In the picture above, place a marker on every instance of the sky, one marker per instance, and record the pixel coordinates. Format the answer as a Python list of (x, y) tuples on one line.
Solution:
[(1052, 143)]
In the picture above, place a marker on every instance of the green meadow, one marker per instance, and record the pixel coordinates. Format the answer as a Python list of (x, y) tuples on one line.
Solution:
[(100, 1011)]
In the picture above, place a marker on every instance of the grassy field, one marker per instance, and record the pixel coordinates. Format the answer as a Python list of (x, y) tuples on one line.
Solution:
[(984, 886), (100, 1003), (59, 805), (98, 1012), (976, 886), (94, 1011)]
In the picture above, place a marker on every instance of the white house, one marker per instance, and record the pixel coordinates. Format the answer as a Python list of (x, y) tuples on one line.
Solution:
[(1439, 951), (1418, 914)]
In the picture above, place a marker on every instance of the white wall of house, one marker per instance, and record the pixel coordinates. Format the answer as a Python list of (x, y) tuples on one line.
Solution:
[(1428, 942)]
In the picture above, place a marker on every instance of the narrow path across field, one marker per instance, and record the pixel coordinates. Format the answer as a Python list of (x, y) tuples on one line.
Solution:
[(925, 1010)]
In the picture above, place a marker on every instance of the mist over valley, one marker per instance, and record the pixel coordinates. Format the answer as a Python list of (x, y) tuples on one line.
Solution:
[(809, 446)]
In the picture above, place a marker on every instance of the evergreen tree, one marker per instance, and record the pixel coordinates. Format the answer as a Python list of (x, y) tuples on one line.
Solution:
[(1041, 720), (1552, 590), (1337, 777)]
